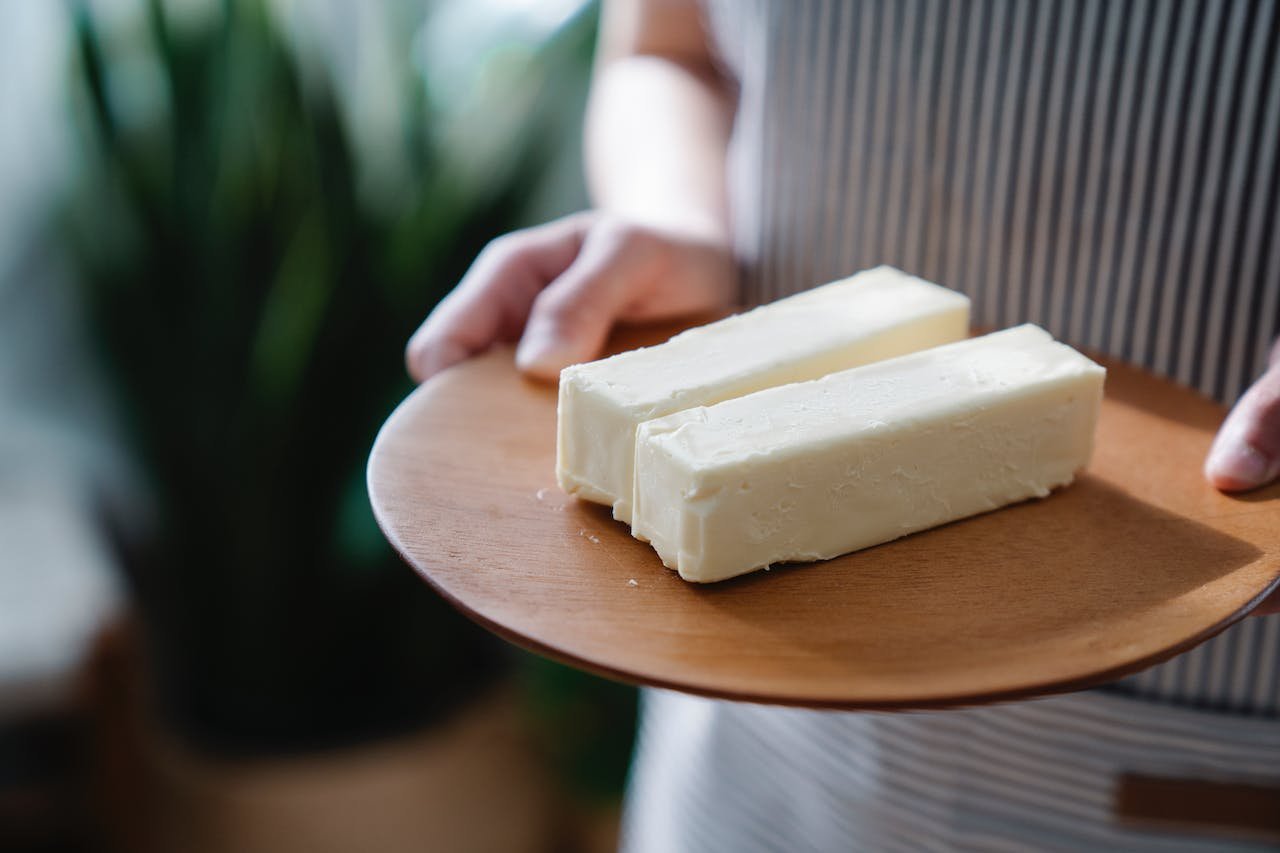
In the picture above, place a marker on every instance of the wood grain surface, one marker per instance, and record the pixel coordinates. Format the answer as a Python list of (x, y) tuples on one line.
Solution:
[(1136, 561)]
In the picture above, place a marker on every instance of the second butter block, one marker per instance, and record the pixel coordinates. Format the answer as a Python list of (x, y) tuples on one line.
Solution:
[(817, 469)]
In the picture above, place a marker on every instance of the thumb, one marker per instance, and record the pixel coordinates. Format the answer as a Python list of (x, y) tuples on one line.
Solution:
[(1246, 451), (494, 298), (571, 318)]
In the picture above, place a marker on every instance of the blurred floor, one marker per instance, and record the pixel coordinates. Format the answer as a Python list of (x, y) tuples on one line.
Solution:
[(114, 780)]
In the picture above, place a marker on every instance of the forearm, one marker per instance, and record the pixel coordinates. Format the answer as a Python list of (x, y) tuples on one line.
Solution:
[(657, 247), (658, 121)]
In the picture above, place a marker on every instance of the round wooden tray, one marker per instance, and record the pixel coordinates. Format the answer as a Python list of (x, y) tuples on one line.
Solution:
[(1136, 561)]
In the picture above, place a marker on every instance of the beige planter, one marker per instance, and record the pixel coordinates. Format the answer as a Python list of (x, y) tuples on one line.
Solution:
[(473, 783)]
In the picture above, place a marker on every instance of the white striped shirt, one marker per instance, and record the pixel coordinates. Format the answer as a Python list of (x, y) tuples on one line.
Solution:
[(1108, 170)]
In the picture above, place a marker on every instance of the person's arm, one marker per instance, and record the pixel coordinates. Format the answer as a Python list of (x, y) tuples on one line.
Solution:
[(657, 244), (658, 120), (1246, 452)]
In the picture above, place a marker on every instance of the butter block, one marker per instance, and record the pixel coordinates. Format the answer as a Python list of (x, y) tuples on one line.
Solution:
[(817, 469), (873, 315)]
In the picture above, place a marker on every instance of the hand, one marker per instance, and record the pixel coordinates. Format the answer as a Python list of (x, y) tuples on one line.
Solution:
[(1246, 451), (558, 288)]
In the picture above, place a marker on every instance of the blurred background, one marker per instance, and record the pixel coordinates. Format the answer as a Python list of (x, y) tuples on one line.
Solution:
[(220, 220)]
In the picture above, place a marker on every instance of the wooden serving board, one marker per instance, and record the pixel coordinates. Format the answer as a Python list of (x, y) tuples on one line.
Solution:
[(1136, 561)]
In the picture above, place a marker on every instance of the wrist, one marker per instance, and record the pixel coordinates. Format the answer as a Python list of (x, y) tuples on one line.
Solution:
[(690, 227)]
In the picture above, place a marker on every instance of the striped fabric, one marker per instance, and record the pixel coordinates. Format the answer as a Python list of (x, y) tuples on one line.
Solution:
[(1034, 776), (1105, 169)]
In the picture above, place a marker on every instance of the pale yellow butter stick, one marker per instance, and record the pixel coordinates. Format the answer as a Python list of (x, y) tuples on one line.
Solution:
[(818, 469), (875, 314)]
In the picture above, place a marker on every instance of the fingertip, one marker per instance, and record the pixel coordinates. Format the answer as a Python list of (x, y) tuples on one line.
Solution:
[(425, 359), (1237, 466), (544, 371), (542, 355), (413, 362)]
